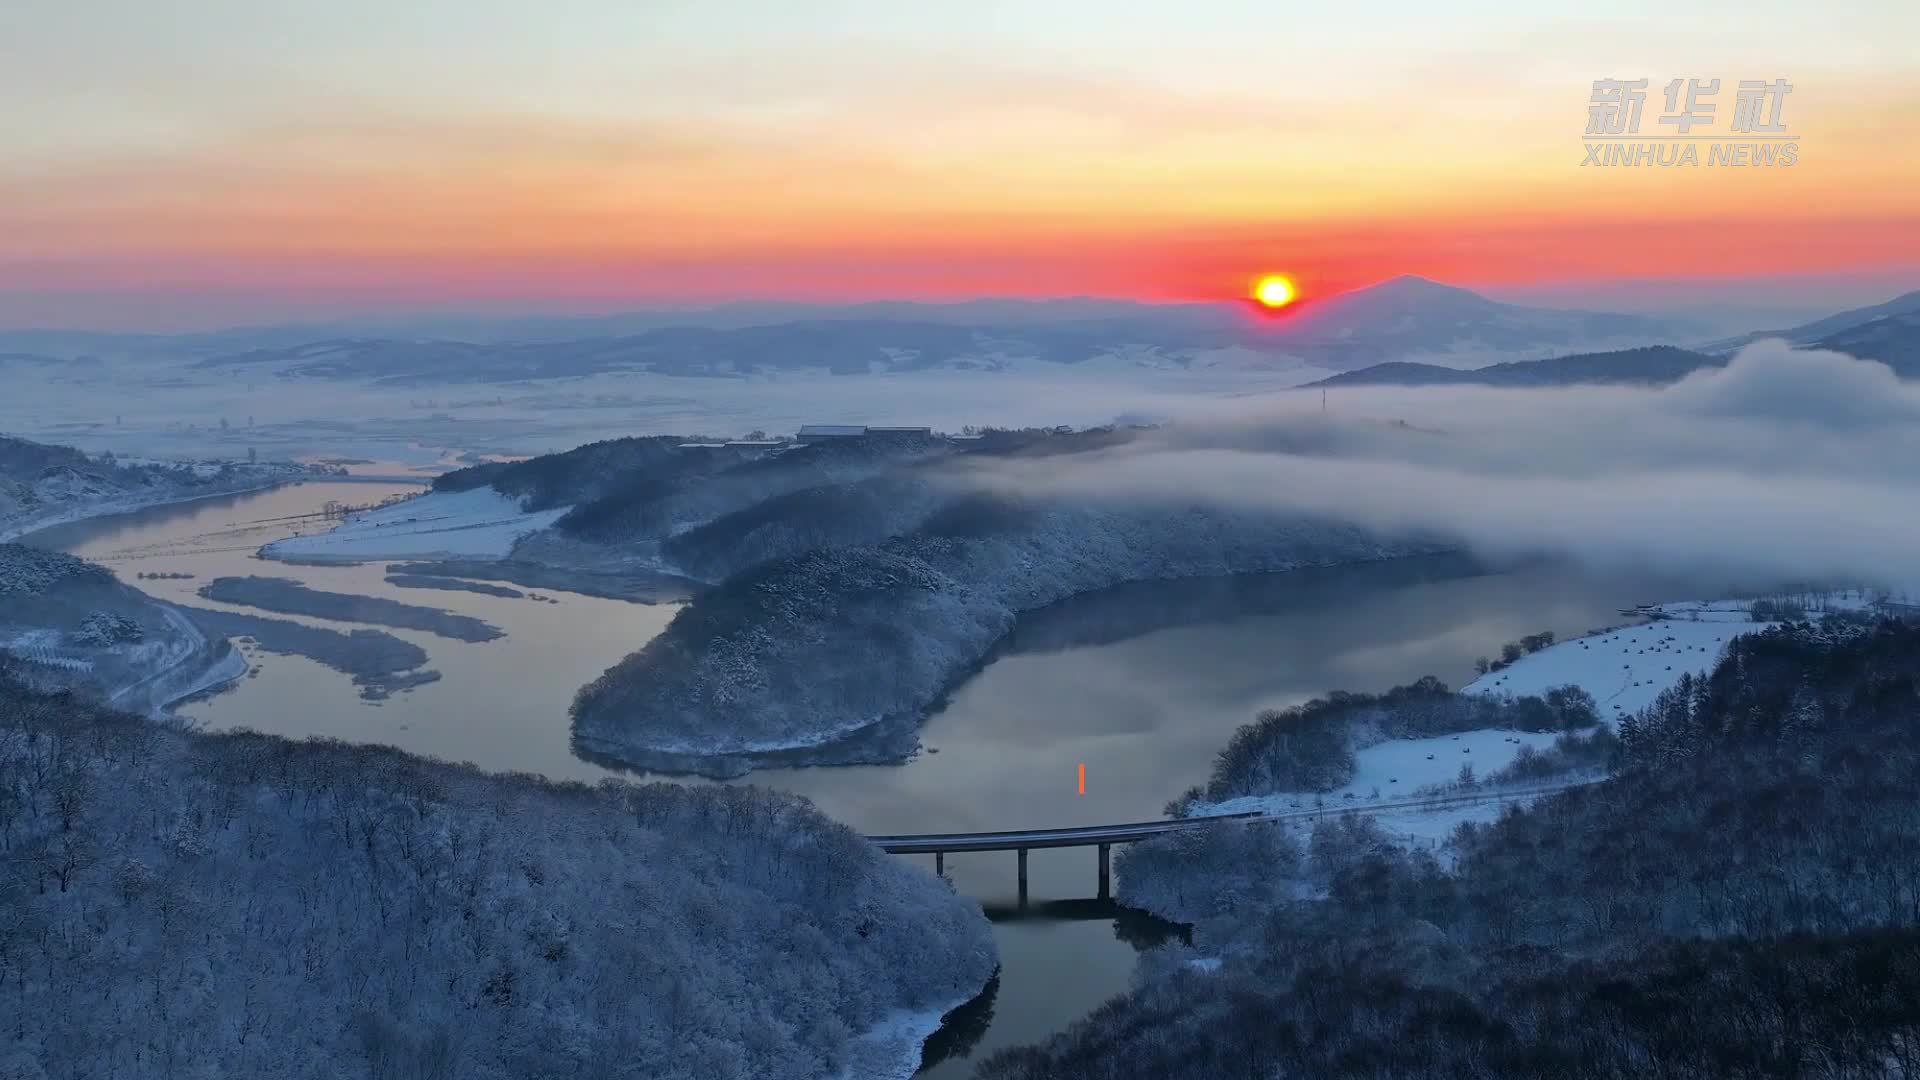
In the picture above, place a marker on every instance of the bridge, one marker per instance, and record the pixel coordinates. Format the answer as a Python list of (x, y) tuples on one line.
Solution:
[(1022, 840), (1105, 836)]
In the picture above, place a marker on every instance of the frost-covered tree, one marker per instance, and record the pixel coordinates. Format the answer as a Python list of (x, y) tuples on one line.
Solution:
[(1742, 897), (184, 905)]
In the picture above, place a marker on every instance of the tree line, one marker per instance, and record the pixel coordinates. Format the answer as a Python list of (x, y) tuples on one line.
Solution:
[(201, 905), (1740, 898)]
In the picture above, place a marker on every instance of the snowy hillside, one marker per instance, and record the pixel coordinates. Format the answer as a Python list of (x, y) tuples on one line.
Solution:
[(813, 649), (42, 485), (70, 625), (1398, 769), (317, 910), (1624, 669), (1753, 859)]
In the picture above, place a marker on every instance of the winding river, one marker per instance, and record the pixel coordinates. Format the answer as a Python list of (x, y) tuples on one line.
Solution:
[(1140, 684)]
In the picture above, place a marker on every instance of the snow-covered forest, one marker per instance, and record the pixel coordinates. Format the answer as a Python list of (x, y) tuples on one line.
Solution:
[(820, 646), (69, 623), (1741, 897), (44, 485), (191, 905), (853, 581), (642, 490), (1310, 747), (27, 571)]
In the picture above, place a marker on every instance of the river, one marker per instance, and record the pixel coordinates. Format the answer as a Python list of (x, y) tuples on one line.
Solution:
[(1141, 685)]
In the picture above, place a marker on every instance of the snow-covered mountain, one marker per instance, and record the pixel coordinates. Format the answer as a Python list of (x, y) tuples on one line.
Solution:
[(1412, 318), (1653, 365), (1830, 328), (1894, 340), (1889, 333), (1406, 317)]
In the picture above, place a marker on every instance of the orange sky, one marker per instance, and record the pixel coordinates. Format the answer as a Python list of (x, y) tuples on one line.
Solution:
[(364, 159)]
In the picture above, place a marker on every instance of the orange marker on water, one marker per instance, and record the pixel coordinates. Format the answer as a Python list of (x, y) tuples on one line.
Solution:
[(1083, 778)]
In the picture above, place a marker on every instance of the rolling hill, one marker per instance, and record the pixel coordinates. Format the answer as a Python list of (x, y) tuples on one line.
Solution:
[(1653, 365), (1403, 317)]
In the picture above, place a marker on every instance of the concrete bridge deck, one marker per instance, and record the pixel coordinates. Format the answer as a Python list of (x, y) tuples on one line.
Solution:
[(1021, 840), (1105, 836)]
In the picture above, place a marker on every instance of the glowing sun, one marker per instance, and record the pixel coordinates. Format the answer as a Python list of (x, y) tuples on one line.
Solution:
[(1274, 291)]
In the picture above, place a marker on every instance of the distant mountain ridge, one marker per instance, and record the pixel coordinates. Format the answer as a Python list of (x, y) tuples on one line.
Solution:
[(851, 347), (1655, 364), (1423, 328), (1406, 316), (1410, 315), (1830, 327), (1888, 333), (1894, 340)]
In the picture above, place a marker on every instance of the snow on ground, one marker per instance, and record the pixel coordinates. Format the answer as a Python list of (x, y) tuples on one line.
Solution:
[(891, 1048), (1396, 770), (1714, 611), (1814, 602), (230, 667), (481, 523), (1431, 829), (1424, 822), (1625, 668)]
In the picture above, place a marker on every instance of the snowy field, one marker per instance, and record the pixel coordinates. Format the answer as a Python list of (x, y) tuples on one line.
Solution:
[(1626, 668), (1397, 770), (477, 524)]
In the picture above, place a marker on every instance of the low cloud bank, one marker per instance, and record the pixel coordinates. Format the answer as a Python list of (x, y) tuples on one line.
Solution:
[(1786, 464)]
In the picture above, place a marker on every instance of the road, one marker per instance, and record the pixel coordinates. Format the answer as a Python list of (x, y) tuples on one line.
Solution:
[(197, 649), (1020, 839), (1038, 838)]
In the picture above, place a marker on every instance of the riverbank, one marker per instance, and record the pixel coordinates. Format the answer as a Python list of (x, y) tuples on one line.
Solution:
[(22, 530), (894, 1048), (807, 652)]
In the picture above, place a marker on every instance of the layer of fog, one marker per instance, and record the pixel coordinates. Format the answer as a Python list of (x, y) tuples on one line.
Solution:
[(170, 410), (1786, 465)]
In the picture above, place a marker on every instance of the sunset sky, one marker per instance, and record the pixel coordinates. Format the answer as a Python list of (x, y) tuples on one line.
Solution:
[(217, 161)]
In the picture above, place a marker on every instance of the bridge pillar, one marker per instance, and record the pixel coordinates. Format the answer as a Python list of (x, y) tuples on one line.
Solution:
[(1106, 875), (1023, 877), (940, 864)]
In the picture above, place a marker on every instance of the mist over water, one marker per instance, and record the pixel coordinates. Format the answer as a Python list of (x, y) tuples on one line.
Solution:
[(1785, 464)]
